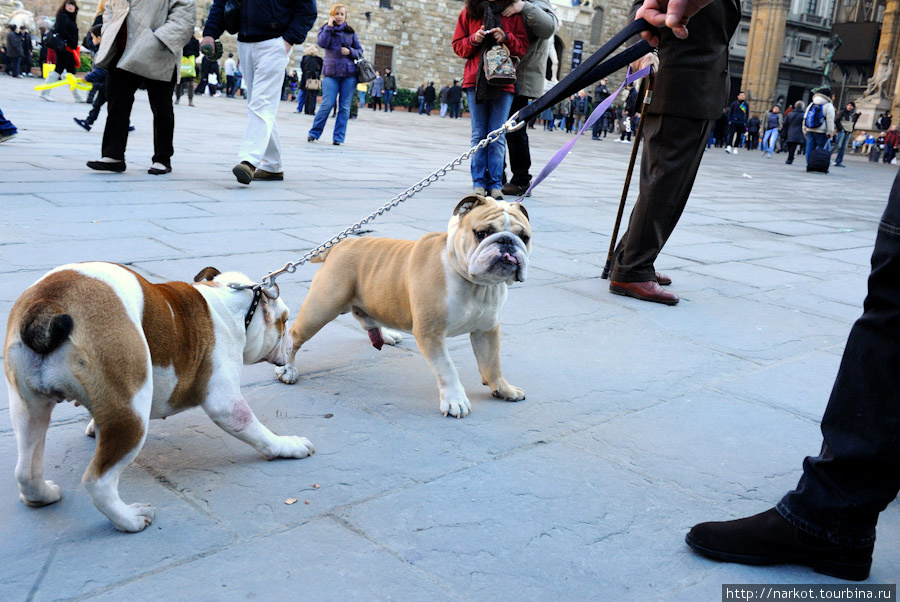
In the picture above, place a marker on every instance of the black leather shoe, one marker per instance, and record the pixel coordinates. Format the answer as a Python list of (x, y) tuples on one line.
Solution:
[(117, 166), (158, 172), (515, 190), (767, 538)]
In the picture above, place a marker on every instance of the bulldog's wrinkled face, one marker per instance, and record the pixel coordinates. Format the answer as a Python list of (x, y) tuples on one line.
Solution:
[(268, 338), (489, 241)]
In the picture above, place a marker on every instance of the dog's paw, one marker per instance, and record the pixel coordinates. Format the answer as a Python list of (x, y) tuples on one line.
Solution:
[(508, 392), (287, 374), (290, 446), (91, 430), (456, 406), (49, 493), (134, 518), (391, 337)]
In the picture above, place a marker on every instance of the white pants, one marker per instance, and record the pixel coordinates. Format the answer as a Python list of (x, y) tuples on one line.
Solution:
[(262, 66)]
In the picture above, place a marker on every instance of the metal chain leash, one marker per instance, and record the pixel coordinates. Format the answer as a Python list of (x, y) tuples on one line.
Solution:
[(510, 126)]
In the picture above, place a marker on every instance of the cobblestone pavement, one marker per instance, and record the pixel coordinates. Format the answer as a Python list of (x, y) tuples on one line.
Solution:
[(640, 419)]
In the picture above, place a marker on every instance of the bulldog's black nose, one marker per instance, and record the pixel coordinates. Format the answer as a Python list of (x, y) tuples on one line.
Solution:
[(506, 240)]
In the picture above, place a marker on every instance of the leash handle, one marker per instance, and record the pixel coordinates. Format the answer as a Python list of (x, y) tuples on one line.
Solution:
[(594, 68)]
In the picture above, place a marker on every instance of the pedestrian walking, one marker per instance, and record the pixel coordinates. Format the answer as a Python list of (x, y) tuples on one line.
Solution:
[(428, 96), (97, 79), (454, 100), (480, 26), (891, 141), (774, 123), (342, 48), (67, 58), (310, 80), (230, 81), (376, 91), (818, 122), (793, 125), (844, 124), (189, 55), (265, 40), (13, 51), (390, 87), (142, 59), (601, 93), (442, 98), (737, 123)]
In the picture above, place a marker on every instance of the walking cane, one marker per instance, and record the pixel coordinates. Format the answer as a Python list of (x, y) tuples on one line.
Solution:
[(648, 93)]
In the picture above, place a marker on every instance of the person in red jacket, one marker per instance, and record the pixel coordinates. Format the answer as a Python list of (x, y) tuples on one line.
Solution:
[(891, 141), (481, 26)]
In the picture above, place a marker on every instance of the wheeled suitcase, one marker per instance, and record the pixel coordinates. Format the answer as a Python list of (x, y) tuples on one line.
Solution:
[(819, 160)]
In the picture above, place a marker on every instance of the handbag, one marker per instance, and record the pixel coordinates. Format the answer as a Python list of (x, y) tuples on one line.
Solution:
[(499, 66), (365, 72), (313, 84), (55, 43), (188, 66)]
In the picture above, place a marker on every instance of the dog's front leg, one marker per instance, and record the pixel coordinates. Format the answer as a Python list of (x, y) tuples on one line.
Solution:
[(236, 418), (486, 345), (453, 397)]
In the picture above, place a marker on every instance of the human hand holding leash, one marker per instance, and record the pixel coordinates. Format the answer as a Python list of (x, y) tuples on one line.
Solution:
[(673, 14)]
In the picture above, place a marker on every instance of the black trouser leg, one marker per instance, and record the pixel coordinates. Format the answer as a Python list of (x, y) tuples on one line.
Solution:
[(120, 88), (673, 148), (517, 145), (160, 95), (99, 101)]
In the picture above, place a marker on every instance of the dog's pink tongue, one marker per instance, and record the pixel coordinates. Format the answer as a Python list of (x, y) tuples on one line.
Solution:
[(375, 337), (510, 258)]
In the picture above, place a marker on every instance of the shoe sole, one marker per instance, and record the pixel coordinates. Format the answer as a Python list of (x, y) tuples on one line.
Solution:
[(832, 568), (626, 293), (242, 175)]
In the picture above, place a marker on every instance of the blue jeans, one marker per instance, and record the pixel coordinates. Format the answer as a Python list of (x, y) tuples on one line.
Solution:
[(815, 140), (487, 164), (301, 100), (769, 140), (331, 87), (855, 476), (843, 137), (421, 105), (388, 100)]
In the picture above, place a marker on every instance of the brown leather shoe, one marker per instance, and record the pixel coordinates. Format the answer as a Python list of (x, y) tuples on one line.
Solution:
[(767, 538), (243, 171), (645, 291), (262, 174), (663, 279)]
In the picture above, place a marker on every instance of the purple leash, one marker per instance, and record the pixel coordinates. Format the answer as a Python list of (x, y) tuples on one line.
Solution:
[(598, 112)]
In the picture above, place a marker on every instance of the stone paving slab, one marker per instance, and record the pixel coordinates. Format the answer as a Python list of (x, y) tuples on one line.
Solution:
[(640, 420)]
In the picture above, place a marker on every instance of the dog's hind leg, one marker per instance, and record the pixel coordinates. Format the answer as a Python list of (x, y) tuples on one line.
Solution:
[(30, 420), (120, 436), (237, 419)]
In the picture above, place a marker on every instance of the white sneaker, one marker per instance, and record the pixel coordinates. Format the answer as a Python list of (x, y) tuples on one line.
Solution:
[(734, 151), (728, 149)]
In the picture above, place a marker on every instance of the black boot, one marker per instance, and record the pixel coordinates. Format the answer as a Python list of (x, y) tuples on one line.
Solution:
[(768, 538)]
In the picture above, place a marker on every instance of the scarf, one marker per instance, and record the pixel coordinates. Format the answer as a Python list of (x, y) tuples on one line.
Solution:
[(485, 92)]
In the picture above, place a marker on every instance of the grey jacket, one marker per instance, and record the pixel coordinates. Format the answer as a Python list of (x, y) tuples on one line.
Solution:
[(540, 23), (157, 31)]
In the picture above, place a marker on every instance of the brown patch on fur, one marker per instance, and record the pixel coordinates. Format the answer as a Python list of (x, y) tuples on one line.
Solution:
[(207, 273), (179, 330), (103, 356)]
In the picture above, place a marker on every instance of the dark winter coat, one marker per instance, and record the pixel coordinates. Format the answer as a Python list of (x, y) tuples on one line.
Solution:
[(332, 38), (793, 123), (310, 68), (738, 112), (454, 95), (390, 82), (263, 20), (13, 44), (67, 28), (430, 94)]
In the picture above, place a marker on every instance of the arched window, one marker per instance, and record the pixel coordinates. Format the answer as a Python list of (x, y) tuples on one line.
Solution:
[(597, 26)]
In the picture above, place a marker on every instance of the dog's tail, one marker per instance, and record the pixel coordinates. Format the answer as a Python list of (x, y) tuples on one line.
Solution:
[(45, 327), (321, 257)]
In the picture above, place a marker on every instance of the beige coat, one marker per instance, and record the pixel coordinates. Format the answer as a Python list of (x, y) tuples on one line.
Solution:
[(157, 31)]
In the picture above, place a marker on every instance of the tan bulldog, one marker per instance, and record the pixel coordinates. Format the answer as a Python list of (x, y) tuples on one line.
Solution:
[(442, 285), (128, 350)]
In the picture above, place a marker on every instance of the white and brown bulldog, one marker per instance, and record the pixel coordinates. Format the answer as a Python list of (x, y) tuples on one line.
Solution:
[(128, 350), (442, 285)]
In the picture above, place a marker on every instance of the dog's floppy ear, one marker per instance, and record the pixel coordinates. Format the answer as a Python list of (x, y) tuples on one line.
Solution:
[(522, 209), (207, 273), (467, 204)]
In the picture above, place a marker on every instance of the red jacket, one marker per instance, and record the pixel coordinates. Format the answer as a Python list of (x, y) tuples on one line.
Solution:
[(463, 45), (892, 138)]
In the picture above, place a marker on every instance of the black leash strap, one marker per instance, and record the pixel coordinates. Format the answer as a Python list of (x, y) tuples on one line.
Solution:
[(594, 68)]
